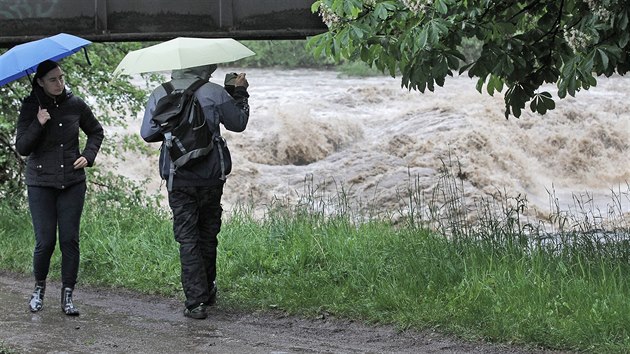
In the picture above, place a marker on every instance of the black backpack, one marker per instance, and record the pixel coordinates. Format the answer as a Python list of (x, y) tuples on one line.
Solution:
[(187, 136)]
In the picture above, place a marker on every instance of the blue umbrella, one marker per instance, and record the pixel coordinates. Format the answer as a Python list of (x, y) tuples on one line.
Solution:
[(23, 59)]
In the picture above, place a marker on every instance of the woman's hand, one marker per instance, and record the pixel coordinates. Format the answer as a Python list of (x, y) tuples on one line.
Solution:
[(81, 162), (43, 116)]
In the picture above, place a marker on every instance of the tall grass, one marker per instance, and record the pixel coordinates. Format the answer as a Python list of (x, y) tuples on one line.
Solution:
[(478, 270), (5, 350)]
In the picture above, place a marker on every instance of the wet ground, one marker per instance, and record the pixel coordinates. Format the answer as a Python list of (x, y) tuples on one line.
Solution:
[(119, 321)]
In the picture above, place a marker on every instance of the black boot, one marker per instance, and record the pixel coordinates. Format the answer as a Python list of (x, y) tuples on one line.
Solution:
[(37, 298), (213, 294), (66, 302)]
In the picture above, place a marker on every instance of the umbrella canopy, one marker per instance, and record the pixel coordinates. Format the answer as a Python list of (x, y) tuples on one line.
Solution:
[(23, 59), (182, 53)]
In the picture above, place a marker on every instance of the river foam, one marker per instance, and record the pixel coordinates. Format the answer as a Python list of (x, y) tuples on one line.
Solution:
[(373, 137)]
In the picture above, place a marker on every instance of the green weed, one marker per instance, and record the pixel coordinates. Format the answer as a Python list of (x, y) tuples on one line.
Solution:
[(479, 269)]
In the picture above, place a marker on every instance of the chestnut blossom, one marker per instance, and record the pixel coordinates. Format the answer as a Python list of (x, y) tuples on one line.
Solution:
[(329, 17), (417, 6), (577, 39)]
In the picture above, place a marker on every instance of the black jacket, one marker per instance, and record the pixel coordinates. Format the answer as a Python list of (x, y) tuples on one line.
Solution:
[(53, 148)]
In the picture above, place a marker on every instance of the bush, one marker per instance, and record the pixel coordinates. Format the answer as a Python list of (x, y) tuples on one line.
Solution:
[(282, 53)]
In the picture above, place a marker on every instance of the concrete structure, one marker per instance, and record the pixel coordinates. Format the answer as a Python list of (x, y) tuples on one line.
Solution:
[(150, 20)]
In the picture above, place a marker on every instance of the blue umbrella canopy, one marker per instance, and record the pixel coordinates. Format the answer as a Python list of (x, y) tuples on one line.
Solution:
[(23, 59)]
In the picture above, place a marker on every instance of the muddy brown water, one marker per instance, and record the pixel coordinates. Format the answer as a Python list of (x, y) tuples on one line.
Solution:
[(121, 321), (376, 140)]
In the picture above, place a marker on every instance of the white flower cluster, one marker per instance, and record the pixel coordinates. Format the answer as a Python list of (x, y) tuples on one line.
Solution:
[(603, 13), (577, 39), (417, 6), (329, 17), (369, 3)]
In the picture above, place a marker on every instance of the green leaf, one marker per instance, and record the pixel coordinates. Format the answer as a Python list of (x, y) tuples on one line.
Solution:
[(453, 61), (623, 22), (422, 39), (490, 86), (515, 99), (623, 39), (604, 58), (495, 84), (380, 11), (549, 102), (480, 83), (357, 31), (542, 102), (572, 86), (562, 89), (568, 69), (434, 34), (336, 49), (441, 7)]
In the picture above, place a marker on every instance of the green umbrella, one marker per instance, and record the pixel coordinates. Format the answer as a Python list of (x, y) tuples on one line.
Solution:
[(181, 53)]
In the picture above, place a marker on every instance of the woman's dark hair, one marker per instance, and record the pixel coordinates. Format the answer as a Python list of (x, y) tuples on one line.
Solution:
[(43, 68)]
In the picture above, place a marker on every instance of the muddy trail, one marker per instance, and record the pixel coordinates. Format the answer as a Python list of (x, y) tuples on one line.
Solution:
[(121, 321)]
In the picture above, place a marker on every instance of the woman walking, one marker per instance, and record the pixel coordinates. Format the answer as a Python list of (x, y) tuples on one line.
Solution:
[(48, 129)]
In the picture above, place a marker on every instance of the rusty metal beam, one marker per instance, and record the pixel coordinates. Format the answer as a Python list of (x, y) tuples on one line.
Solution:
[(125, 20)]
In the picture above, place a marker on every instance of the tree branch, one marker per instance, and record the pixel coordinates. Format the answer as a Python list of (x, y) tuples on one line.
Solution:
[(525, 9)]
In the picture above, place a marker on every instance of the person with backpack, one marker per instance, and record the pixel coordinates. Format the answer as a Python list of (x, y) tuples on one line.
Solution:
[(48, 128), (195, 186)]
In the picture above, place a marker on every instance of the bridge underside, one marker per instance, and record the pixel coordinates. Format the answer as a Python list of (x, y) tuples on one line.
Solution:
[(128, 20)]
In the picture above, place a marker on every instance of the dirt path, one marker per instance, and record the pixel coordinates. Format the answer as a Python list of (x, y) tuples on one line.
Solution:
[(124, 322)]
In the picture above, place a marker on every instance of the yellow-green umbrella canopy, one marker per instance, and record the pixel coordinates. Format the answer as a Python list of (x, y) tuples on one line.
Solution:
[(181, 53)]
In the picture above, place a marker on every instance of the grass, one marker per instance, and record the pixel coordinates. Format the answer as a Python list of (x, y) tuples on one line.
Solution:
[(496, 277), (4, 349)]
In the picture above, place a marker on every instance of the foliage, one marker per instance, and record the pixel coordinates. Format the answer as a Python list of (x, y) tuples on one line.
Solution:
[(111, 98), (566, 290), (358, 69), (281, 53), (525, 43), (5, 350)]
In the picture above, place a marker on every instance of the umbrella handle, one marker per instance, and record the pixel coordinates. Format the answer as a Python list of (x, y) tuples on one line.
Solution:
[(86, 56), (34, 91)]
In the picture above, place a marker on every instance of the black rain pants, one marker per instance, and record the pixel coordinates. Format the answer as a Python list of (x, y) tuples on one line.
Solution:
[(196, 224)]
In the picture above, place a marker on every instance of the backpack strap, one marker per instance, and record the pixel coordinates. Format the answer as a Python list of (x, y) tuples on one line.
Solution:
[(168, 86), (196, 85), (220, 142)]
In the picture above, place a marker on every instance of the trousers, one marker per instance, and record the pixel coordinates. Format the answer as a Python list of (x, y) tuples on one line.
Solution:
[(55, 210), (196, 224)]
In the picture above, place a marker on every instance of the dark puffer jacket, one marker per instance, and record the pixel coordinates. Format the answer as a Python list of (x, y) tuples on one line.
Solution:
[(53, 148)]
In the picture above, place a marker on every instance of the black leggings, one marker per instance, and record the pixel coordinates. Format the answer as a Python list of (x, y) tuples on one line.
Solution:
[(53, 209)]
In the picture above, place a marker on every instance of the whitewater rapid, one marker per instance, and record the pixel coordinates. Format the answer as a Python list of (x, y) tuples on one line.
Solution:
[(371, 139)]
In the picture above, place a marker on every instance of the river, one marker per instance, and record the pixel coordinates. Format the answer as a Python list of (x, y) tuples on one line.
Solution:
[(314, 132)]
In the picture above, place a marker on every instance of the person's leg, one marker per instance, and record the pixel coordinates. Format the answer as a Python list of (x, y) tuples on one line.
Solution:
[(42, 203), (70, 205), (209, 227), (184, 205)]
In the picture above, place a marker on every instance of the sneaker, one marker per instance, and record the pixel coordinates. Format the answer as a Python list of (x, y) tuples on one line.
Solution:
[(198, 313)]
